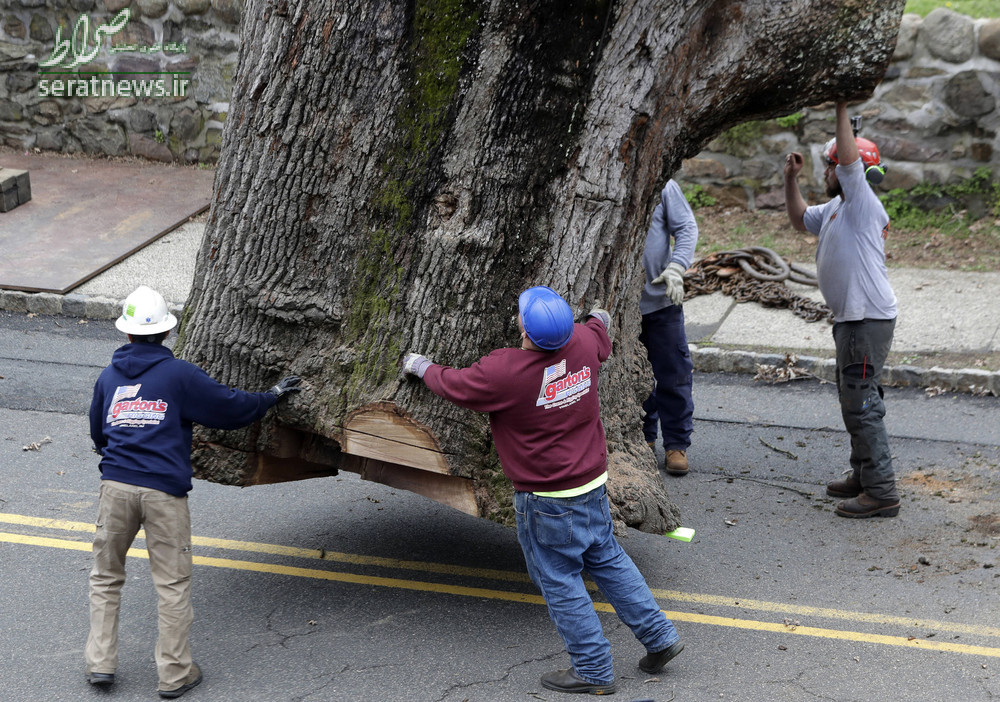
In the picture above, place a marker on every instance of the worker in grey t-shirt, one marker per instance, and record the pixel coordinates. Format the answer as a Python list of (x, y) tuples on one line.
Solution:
[(850, 266)]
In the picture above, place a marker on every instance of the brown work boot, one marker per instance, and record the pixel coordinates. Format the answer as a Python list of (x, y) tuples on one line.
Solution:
[(677, 462), (862, 507), (849, 487)]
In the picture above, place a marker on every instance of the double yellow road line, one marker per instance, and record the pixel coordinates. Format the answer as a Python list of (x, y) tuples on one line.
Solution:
[(918, 640)]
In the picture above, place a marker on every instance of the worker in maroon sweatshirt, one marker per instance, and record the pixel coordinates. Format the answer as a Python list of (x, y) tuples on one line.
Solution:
[(545, 417)]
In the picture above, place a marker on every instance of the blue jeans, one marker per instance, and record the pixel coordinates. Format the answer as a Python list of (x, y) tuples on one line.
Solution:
[(670, 402), (561, 537)]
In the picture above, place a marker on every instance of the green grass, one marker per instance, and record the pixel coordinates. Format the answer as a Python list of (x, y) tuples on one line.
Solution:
[(975, 9)]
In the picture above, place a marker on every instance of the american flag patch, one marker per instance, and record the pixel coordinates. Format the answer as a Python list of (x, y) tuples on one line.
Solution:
[(556, 371), (125, 391)]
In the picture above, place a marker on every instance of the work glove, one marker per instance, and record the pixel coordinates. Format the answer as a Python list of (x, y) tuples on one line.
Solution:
[(602, 315), (673, 278), (415, 364), (290, 383)]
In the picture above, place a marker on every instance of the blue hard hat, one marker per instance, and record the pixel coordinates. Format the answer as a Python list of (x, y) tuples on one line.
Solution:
[(547, 319)]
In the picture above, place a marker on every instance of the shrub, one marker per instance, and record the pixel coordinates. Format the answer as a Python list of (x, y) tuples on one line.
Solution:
[(697, 197), (790, 121), (936, 205)]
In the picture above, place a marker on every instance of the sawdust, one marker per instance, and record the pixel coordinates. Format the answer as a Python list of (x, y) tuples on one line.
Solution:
[(986, 524), (958, 488)]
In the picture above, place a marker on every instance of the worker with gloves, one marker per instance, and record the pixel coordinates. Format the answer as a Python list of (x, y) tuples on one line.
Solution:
[(670, 404), (545, 418), (854, 280), (141, 418)]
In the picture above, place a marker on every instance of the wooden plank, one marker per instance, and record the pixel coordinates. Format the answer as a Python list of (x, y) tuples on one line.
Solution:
[(383, 435), (449, 490), (273, 469), (378, 444)]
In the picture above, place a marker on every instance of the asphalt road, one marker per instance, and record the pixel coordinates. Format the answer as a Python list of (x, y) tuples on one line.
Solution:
[(338, 589)]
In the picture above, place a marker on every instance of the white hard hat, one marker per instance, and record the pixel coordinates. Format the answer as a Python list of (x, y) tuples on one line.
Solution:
[(144, 313)]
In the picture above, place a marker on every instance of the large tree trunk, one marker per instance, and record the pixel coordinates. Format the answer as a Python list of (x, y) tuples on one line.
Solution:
[(392, 176)]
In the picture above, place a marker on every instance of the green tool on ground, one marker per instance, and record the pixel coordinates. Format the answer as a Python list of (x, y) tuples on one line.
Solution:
[(681, 533)]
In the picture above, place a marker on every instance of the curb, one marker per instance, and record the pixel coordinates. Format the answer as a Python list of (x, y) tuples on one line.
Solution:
[(708, 359), (69, 305), (970, 380)]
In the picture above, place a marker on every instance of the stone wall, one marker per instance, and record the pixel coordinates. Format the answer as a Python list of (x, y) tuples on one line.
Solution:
[(934, 117), (194, 40)]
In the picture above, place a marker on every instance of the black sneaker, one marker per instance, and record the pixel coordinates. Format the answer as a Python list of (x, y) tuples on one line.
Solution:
[(103, 679), (654, 662), (193, 679)]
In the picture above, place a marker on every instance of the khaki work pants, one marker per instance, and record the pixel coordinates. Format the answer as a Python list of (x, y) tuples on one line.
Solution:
[(122, 510)]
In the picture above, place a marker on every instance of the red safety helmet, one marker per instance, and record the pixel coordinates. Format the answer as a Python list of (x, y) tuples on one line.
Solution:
[(874, 170)]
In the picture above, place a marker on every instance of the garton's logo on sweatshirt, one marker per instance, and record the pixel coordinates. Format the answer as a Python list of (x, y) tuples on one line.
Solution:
[(560, 388), (129, 409)]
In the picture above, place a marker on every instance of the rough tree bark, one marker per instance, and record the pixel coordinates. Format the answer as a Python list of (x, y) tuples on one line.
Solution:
[(394, 174)]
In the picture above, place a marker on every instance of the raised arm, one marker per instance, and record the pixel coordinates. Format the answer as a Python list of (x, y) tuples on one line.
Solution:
[(795, 204), (847, 146)]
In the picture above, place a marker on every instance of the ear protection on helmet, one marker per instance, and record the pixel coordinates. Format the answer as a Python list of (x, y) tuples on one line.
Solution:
[(875, 174)]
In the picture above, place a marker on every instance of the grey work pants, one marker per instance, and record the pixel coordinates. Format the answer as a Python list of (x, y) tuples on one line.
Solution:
[(862, 348), (122, 510)]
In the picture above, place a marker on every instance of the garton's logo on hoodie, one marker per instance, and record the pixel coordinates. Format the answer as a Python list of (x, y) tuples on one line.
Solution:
[(129, 409)]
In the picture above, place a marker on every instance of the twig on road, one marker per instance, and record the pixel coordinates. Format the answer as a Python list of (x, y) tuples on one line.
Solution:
[(779, 450), (762, 482)]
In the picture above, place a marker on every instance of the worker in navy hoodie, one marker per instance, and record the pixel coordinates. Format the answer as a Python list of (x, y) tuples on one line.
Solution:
[(141, 418), (546, 423)]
